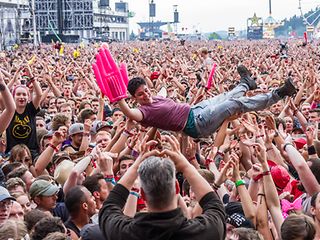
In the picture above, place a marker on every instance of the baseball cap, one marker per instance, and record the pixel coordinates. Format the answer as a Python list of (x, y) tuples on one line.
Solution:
[(43, 188), (279, 175), (4, 194), (76, 128), (98, 125), (91, 231), (62, 171), (58, 157), (300, 142)]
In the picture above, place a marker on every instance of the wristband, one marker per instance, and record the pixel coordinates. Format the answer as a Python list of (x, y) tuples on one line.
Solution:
[(311, 150), (53, 147), (109, 176), (110, 180), (215, 186), (135, 194), (221, 153), (127, 133), (266, 173), (240, 182), (208, 161), (257, 178)]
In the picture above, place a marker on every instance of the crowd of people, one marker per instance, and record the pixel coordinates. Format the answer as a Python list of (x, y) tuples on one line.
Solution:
[(176, 157)]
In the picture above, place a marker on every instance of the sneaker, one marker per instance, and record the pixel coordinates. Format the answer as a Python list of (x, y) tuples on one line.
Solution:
[(246, 77), (287, 89)]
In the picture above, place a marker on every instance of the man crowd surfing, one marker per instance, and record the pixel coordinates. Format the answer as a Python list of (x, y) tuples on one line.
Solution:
[(160, 140)]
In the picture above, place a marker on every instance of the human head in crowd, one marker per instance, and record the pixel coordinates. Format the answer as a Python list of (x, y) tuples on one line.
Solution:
[(87, 113), (47, 225), (21, 96), (8, 167), (66, 109), (44, 194), (314, 115), (32, 217), (23, 173), (95, 104), (23, 199), (103, 138), (67, 90), (16, 184), (60, 120), (125, 162), (81, 206), (305, 109), (40, 123), (276, 108), (97, 185), (292, 229), (75, 133), (21, 153), (60, 101), (116, 114), (13, 229), (157, 175), (245, 234), (84, 105), (16, 212), (6, 201)]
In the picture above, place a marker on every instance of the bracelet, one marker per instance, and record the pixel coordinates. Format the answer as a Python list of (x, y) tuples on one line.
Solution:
[(110, 180), (215, 186), (208, 161), (221, 153), (135, 194), (260, 136), (53, 147), (240, 182), (285, 146), (266, 173), (311, 150), (257, 178), (109, 176), (127, 133)]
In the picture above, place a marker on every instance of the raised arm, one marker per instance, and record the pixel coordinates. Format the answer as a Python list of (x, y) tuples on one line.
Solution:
[(9, 105), (132, 113)]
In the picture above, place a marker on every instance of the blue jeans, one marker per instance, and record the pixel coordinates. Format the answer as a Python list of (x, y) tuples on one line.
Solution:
[(211, 113)]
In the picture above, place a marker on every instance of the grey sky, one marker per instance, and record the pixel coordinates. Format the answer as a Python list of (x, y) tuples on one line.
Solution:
[(213, 15)]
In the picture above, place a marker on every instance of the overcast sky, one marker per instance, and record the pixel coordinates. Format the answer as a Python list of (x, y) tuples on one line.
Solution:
[(213, 15)]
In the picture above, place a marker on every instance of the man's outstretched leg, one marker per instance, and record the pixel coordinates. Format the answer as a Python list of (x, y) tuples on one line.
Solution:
[(209, 119), (246, 83)]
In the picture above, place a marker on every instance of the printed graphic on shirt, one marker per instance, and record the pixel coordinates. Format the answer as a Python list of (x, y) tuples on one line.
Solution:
[(21, 129)]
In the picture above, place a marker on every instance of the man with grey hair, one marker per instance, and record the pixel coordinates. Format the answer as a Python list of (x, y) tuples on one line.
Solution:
[(164, 220)]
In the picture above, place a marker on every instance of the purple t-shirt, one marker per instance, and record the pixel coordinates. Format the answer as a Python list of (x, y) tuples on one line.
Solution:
[(166, 114)]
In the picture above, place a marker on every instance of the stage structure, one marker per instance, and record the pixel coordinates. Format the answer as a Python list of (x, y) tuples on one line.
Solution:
[(255, 27), (86, 19), (15, 23), (269, 25)]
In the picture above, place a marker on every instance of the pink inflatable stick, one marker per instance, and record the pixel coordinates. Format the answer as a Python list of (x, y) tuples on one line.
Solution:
[(124, 74), (105, 90), (213, 70), (305, 36)]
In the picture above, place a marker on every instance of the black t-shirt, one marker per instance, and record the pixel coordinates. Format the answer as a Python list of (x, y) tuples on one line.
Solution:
[(22, 129)]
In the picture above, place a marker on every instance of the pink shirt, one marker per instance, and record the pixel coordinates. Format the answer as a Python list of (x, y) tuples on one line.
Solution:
[(165, 114)]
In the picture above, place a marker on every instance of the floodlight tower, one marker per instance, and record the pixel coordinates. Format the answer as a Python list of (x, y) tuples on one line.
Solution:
[(175, 18)]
